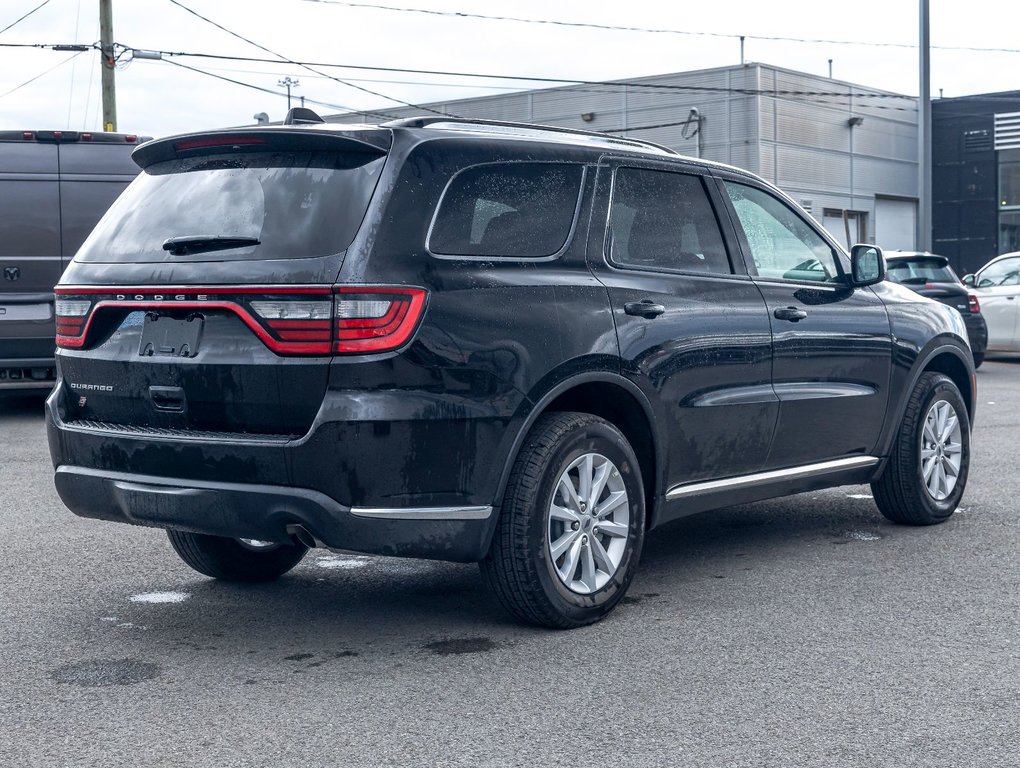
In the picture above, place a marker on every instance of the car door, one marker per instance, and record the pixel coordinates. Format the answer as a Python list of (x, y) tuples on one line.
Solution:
[(832, 346), (997, 288), (692, 327)]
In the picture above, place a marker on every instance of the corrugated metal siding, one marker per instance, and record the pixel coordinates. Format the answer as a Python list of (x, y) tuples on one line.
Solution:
[(798, 166)]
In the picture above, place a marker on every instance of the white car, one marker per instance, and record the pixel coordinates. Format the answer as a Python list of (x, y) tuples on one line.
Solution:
[(997, 285)]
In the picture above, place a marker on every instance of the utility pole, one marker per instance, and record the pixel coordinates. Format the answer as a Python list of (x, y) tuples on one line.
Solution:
[(924, 207), (288, 84), (107, 64)]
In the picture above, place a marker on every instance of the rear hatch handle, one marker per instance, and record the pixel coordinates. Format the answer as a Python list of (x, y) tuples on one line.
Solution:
[(168, 399)]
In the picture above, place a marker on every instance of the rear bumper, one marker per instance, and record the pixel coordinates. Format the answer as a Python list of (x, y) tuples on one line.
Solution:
[(977, 331), (271, 513)]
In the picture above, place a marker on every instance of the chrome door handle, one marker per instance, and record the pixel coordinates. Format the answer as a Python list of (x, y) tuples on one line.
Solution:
[(792, 314), (645, 308)]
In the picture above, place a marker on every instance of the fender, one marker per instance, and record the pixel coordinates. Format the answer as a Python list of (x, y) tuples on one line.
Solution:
[(938, 346), (539, 407)]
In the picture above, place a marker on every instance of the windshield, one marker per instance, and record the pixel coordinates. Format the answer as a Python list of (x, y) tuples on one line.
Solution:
[(272, 205), (919, 271)]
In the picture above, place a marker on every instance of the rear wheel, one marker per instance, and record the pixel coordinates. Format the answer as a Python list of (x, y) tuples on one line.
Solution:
[(235, 559), (979, 357), (572, 523), (927, 472)]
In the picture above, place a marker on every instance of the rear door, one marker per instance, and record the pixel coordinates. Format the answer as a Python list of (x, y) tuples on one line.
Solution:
[(832, 345), (204, 300), (692, 327)]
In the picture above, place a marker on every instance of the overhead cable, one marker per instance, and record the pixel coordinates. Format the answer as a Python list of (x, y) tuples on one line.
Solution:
[(18, 21)]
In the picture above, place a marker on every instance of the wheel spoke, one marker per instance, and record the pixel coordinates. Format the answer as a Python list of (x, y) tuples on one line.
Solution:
[(953, 449), (950, 470), (927, 453), (601, 476), (932, 479), (570, 492), (927, 468), (588, 567), (558, 547), (556, 512), (585, 471), (611, 503), (929, 429), (948, 426), (602, 558), (569, 567), (616, 530)]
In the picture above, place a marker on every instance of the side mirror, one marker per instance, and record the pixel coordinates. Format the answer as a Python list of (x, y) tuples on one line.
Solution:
[(968, 280), (867, 265)]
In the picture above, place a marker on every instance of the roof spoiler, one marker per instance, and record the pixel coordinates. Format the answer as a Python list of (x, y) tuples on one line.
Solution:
[(300, 116)]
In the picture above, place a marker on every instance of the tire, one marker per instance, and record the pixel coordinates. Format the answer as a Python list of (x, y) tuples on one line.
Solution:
[(235, 559), (536, 584), (903, 493), (979, 357)]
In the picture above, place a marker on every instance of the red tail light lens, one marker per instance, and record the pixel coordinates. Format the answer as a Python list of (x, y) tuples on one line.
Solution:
[(376, 319), (70, 316), (972, 301)]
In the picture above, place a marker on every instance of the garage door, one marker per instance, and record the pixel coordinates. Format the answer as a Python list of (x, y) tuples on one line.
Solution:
[(895, 224)]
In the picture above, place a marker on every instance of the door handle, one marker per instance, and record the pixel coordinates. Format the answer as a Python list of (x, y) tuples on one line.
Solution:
[(645, 308), (792, 314)]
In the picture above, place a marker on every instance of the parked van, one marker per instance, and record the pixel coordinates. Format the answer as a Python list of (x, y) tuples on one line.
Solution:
[(54, 187)]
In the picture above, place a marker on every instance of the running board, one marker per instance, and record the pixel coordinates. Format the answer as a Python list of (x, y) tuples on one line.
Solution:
[(691, 490)]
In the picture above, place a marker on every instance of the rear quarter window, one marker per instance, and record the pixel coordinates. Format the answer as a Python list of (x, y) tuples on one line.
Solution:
[(509, 210)]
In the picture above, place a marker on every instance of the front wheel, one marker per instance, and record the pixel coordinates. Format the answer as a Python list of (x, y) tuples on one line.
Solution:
[(235, 559), (927, 472), (572, 523)]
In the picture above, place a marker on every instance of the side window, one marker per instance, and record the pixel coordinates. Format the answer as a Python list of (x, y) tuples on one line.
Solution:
[(782, 244), (664, 220), (516, 210), (1000, 273)]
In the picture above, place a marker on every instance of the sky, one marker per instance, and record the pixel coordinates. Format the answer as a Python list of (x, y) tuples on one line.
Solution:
[(871, 43)]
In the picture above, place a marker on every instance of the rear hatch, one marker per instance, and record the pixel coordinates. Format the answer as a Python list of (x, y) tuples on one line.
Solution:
[(930, 275), (203, 301)]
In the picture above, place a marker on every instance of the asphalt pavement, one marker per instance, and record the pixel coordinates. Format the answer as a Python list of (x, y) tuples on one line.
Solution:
[(805, 631)]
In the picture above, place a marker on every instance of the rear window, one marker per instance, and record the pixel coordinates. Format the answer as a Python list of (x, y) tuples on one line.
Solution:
[(920, 271), (515, 210), (296, 205)]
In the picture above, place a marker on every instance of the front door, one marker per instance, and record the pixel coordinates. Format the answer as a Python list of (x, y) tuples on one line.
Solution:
[(832, 345), (997, 289)]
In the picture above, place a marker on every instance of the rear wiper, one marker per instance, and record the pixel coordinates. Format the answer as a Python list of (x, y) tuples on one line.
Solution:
[(183, 246)]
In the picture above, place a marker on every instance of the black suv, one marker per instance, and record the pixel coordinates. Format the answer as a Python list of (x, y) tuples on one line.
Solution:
[(509, 344)]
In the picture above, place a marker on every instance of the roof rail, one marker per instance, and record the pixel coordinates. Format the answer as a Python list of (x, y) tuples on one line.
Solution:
[(424, 122)]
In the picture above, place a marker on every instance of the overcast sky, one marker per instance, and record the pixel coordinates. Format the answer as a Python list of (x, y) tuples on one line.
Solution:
[(158, 98)]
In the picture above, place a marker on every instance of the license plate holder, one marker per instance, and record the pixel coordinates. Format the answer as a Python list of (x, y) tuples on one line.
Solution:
[(164, 336)]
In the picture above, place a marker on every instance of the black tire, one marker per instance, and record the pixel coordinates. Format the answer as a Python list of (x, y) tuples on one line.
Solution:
[(519, 566), (979, 357), (233, 560), (901, 492)]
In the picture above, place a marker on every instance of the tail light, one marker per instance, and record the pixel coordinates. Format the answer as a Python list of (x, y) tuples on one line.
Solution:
[(375, 319), (973, 303), (290, 320), (70, 315)]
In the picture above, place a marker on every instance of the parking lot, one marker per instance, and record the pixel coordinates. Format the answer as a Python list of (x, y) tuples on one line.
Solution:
[(805, 631)]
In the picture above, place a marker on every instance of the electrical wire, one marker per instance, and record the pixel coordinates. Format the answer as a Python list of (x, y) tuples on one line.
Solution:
[(72, 57), (303, 65), (653, 30), (18, 21)]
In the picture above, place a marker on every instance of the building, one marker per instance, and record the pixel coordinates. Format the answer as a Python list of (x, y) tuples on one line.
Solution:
[(976, 177), (847, 153)]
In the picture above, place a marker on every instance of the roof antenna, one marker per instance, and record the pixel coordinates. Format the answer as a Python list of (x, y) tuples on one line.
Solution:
[(301, 115)]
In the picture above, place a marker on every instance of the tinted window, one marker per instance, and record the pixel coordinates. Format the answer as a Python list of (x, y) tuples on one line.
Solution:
[(782, 244), (296, 204), (1000, 273), (920, 271), (522, 210), (662, 220)]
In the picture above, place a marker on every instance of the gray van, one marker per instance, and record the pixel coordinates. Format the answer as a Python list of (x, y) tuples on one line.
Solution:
[(54, 187)]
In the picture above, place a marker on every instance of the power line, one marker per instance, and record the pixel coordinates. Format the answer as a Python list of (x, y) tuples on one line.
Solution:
[(652, 30), (305, 66), (42, 74), (18, 21)]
